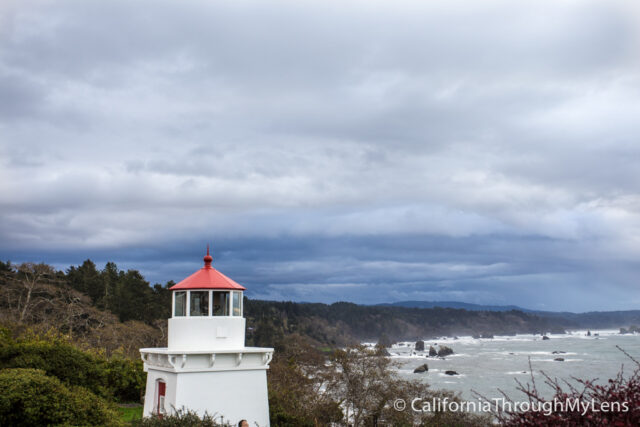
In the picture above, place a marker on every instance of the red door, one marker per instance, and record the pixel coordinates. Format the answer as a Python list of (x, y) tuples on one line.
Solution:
[(162, 387)]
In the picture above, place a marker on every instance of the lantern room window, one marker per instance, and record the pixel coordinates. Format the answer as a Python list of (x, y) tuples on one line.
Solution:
[(180, 304), (237, 304), (220, 303), (199, 303)]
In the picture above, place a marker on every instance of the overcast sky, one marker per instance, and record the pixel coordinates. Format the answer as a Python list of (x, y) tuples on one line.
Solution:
[(477, 151)]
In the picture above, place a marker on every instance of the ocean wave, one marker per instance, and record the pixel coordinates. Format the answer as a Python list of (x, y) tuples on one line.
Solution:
[(467, 339), (530, 353)]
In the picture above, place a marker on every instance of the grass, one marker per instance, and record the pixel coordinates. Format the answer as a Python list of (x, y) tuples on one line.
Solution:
[(130, 413)]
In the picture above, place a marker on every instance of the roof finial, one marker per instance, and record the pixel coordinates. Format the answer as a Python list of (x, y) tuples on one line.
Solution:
[(207, 258)]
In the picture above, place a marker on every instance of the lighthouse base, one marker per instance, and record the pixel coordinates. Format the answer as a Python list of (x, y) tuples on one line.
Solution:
[(229, 385)]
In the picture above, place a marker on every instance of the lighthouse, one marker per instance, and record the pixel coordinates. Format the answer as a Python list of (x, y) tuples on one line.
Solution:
[(206, 366)]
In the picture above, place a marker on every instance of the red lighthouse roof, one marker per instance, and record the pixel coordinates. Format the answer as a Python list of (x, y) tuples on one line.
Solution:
[(207, 278)]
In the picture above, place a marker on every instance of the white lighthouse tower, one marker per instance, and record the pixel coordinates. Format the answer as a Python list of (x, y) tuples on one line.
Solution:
[(206, 366)]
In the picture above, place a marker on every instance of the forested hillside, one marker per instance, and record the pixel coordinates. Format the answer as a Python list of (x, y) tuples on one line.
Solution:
[(103, 306)]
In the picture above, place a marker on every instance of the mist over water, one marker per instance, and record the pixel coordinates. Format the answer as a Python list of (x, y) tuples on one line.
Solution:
[(489, 365)]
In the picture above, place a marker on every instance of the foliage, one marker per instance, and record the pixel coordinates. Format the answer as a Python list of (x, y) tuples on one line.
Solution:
[(116, 377), (29, 397), (124, 377), (364, 382), (27, 290), (182, 418), (126, 294), (35, 296), (355, 386), (295, 382), (615, 403)]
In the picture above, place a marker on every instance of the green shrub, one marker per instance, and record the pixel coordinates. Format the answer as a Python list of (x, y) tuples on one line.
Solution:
[(29, 397), (118, 378), (60, 360), (125, 378)]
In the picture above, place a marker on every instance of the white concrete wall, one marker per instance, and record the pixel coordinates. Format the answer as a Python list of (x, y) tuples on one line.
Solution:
[(234, 395), (206, 333), (150, 398)]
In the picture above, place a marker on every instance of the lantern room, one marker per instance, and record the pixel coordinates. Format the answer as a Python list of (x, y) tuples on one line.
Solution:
[(207, 293), (206, 311)]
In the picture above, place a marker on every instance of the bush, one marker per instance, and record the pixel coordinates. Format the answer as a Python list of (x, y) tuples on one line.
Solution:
[(29, 397), (116, 378), (182, 418), (125, 378), (60, 360), (615, 403)]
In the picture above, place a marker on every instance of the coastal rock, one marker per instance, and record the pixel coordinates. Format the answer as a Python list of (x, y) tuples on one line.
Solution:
[(558, 352), (487, 336), (559, 359), (384, 341), (419, 345), (632, 330), (432, 351), (421, 369), (444, 351), (588, 333), (451, 373), (544, 338)]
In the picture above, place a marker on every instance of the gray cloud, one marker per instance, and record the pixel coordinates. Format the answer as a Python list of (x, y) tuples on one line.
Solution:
[(501, 128)]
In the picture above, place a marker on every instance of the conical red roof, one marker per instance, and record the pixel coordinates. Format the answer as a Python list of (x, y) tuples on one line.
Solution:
[(207, 278)]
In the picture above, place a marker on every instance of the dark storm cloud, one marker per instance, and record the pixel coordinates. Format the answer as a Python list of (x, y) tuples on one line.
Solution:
[(367, 151)]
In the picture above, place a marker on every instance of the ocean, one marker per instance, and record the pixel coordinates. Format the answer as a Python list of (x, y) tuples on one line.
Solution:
[(489, 365)]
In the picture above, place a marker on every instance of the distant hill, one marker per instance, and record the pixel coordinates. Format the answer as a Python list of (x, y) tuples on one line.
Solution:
[(591, 319), (454, 304), (340, 323), (595, 319)]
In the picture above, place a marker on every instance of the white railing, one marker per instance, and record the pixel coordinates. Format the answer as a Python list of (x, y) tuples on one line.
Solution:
[(194, 361)]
